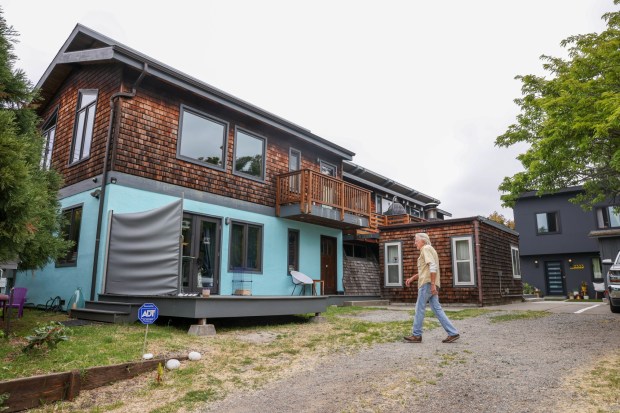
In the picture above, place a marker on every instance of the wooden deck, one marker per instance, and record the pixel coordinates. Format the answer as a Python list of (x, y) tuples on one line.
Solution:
[(310, 196), (114, 308)]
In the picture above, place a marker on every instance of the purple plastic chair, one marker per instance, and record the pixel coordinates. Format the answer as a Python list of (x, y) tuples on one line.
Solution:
[(17, 299)]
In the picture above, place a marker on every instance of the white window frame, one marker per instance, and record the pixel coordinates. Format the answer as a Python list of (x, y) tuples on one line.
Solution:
[(516, 263), (399, 264), (455, 270)]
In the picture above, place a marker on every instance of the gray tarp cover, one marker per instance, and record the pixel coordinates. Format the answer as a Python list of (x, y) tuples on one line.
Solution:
[(144, 251)]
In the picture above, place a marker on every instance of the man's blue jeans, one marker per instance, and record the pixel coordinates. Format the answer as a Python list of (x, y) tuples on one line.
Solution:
[(424, 296)]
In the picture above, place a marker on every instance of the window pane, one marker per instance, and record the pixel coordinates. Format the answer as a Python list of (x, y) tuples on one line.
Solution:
[(77, 144), (327, 169), (541, 223), (516, 265), (236, 246), (464, 273), (392, 274), (249, 155), (294, 161), (87, 97), (293, 250), (202, 139), (254, 248), (88, 133), (385, 205), (71, 231), (462, 250), (392, 254), (596, 268), (46, 157), (614, 218)]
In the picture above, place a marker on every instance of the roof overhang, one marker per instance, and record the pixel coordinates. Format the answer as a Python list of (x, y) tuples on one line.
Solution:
[(86, 46), (366, 177)]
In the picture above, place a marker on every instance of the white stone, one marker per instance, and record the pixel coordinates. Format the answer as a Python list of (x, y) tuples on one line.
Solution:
[(194, 356), (147, 356), (173, 364)]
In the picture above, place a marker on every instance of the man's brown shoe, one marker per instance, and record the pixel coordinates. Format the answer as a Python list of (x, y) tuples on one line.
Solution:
[(413, 339), (450, 339)]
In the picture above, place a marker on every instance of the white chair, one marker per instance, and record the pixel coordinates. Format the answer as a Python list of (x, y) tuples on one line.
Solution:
[(599, 288), (302, 279)]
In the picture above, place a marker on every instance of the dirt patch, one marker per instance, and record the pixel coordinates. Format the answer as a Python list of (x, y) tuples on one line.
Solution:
[(382, 316), (262, 337)]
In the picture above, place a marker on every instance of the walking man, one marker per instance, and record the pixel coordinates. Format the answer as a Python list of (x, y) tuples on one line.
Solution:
[(428, 277)]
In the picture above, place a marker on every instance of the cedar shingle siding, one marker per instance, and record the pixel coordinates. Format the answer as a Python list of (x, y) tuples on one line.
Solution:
[(145, 144), (495, 256), (361, 277)]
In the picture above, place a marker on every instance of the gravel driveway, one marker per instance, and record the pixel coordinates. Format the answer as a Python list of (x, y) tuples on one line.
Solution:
[(515, 366)]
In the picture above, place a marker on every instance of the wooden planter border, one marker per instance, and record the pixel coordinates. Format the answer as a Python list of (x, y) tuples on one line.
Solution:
[(30, 392)]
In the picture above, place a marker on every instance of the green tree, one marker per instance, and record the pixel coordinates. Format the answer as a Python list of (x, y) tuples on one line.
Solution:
[(571, 121), (29, 210), (501, 219)]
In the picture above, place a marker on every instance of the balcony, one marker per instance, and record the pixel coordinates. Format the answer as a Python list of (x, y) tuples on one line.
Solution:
[(312, 197)]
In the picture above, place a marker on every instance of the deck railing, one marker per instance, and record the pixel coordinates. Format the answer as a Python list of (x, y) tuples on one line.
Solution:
[(308, 188)]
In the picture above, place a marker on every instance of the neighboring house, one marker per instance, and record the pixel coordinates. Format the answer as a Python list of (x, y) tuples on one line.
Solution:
[(392, 203), (478, 260), (260, 196), (562, 245)]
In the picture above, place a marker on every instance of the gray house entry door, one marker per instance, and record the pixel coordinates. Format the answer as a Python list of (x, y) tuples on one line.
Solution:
[(200, 267), (554, 278)]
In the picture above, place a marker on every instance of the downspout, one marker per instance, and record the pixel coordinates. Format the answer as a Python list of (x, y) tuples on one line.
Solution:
[(104, 177), (478, 266)]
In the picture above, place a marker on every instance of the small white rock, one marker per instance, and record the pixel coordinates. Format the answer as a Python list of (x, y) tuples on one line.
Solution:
[(194, 356), (147, 356), (173, 364)]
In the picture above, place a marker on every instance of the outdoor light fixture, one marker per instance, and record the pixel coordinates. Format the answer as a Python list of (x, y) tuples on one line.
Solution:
[(113, 180), (536, 263), (96, 193), (227, 220), (570, 260)]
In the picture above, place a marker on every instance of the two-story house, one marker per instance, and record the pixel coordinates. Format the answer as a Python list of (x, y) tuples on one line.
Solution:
[(561, 244), (172, 185)]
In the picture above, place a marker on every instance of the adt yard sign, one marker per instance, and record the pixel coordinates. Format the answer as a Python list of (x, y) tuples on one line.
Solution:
[(148, 313)]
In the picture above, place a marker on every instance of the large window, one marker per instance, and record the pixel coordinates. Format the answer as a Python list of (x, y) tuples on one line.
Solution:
[(246, 247), (547, 223), (516, 265), (71, 231), (462, 261), (202, 138), (293, 250), (393, 264), (84, 123), (249, 155), (608, 217)]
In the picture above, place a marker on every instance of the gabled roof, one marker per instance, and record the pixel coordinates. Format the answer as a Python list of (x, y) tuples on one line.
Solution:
[(364, 176), (86, 46)]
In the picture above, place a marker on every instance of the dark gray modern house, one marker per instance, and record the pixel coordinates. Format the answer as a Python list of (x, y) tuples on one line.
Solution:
[(561, 245)]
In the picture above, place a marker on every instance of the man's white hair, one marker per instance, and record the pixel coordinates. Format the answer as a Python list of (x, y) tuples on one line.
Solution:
[(424, 237)]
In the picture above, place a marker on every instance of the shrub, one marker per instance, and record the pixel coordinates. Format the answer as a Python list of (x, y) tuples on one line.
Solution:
[(50, 334), (528, 289)]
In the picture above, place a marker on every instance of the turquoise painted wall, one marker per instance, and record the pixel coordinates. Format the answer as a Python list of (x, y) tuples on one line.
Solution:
[(274, 279), (54, 281)]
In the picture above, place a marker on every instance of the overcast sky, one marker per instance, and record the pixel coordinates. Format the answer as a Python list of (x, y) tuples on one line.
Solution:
[(419, 90)]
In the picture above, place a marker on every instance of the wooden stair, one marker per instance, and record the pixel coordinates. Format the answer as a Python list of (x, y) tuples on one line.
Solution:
[(107, 312)]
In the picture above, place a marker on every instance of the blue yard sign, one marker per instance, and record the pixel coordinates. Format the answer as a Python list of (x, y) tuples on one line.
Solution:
[(148, 313)]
